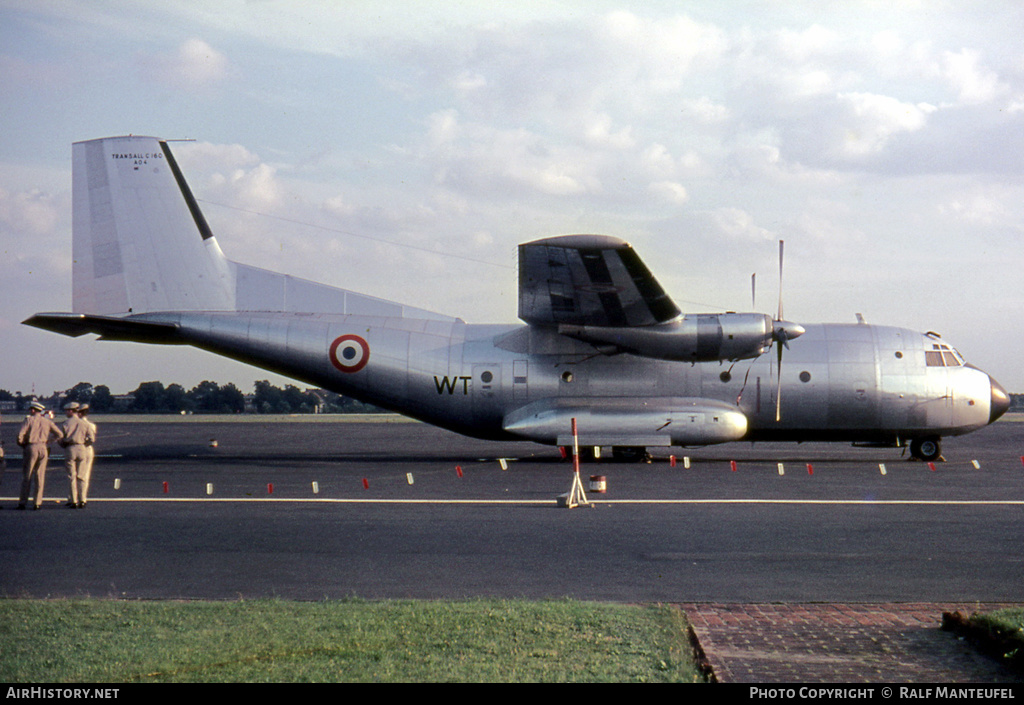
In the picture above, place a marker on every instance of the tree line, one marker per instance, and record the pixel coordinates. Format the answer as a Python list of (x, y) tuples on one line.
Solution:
[(205, 398), (211, 398)]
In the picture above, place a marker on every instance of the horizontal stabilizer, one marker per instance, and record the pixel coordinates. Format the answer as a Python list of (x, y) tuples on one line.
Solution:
[(108, 327)]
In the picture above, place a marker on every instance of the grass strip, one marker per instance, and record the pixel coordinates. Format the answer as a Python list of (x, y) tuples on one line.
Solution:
[(1003, 633), (101, 641)]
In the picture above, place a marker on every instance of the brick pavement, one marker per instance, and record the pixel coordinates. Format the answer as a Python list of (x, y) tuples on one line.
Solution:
[(840, 643)]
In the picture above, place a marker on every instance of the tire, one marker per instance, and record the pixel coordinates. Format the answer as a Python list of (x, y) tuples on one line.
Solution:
[(927, 449), (629, 454)]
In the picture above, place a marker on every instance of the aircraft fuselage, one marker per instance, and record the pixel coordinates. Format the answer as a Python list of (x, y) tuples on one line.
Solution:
[(857, 382)]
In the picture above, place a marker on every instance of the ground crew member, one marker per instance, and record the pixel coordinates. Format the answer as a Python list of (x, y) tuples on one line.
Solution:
[(34, 437), (3, 463), (85, 474), (77, 435)]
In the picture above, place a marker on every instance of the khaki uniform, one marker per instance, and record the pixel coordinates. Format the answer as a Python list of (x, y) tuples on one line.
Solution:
[(3, 462), (34, 437), (86, 472), (79, 435)]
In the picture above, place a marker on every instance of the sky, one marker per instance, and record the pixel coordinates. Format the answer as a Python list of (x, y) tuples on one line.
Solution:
[(404, 149)]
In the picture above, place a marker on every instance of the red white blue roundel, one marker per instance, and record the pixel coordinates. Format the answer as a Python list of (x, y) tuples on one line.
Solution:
[(350, 353)]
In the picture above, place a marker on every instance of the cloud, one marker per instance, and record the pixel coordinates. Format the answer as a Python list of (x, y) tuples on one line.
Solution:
[(871, 120), (974, 83), (28, 213), (736, 223), (231, 174), (194, 66), (670, 191), (480, 158)]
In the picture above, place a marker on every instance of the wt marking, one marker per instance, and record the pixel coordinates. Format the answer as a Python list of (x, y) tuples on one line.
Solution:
[(449, 384)]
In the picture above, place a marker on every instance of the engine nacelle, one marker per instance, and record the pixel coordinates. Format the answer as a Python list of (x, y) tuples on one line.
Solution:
[(690, 338)]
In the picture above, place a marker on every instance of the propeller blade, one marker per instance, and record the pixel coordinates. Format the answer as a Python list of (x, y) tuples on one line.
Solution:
[(778, 379), (781, 332), (779, 317)]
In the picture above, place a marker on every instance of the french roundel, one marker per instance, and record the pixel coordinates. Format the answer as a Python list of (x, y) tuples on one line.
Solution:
[(350, 353)]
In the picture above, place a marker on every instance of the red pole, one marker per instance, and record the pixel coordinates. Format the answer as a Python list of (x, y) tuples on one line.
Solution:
[(575, 449)]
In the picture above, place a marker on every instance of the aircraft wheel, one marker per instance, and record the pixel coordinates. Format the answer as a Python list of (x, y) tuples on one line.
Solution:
[(927, 449), (629, 454)]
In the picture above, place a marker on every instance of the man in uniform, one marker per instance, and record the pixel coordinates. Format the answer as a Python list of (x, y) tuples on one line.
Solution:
[(77, 436), (85, 473), (3, 462), (34, 437)]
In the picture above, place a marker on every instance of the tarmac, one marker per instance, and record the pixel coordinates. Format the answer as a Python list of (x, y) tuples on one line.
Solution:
[(837, 576), (840, 643)]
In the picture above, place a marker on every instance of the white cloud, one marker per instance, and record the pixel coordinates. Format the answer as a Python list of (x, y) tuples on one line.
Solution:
[(875, 119), (29, 213), (808, 44), (985, 207), (706, 110), (657, 161), (194, 66), (599, 133), (973, 82), (670, 191), (738, 224)]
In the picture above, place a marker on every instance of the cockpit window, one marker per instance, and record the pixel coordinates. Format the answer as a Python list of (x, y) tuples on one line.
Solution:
[(941, 355)]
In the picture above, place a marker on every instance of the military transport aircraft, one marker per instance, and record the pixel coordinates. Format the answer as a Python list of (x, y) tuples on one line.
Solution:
[(602, 342)]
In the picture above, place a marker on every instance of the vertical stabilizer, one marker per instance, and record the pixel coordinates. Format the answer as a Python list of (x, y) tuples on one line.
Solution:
[(140, 242)]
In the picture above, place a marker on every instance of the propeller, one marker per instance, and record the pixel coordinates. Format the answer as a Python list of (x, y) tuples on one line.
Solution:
[(782, 332)]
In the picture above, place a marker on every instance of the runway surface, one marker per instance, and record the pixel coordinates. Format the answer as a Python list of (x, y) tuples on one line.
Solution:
[(312, 509)]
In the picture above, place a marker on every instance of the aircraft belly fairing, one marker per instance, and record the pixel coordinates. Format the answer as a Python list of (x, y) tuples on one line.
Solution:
[(628, 421), (603, 343)]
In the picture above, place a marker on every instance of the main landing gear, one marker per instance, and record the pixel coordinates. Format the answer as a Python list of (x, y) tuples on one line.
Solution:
[(926, 449), (622, 454), (630, 454)]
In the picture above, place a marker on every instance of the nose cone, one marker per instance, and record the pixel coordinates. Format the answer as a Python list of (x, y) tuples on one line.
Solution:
[(1000, 401), (784, 331)]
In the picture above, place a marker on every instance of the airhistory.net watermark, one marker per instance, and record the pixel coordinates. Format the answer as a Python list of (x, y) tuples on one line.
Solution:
[(48, 693)]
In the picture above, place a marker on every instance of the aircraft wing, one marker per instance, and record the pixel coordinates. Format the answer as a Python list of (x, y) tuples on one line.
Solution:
[(589, 280)]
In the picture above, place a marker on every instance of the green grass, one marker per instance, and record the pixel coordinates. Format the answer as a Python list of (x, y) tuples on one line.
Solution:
[(1005, 633), (99, 641)]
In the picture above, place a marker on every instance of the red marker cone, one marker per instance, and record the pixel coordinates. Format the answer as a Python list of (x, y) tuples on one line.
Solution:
[(810, 469), (732, 464), (366, 484)]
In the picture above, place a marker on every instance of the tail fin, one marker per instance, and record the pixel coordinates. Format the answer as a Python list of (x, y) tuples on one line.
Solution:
[(140, 242)]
